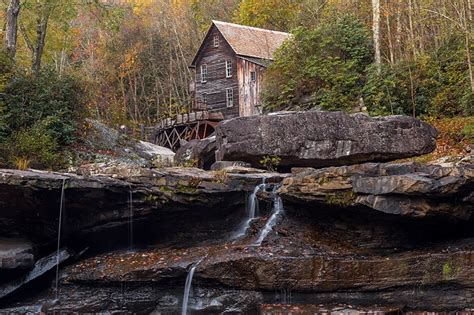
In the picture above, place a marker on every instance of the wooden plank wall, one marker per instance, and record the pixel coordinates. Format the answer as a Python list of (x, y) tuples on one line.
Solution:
[(215, 87), (249, 92)]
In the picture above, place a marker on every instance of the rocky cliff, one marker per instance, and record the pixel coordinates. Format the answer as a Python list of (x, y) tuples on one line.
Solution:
[(379, 236)]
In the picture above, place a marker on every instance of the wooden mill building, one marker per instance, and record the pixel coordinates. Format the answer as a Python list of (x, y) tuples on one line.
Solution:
[(229, 67)]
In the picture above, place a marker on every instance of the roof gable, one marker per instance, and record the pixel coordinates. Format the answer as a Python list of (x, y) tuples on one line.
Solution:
[(251, 41), (247, 41)]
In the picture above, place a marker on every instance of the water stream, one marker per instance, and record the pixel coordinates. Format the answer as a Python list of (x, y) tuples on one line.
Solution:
[(252, 209), (130, 222), (61, 209), (187, 287), (276, 213)]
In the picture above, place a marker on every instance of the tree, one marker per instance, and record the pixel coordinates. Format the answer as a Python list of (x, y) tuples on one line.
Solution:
[(376, 33), (321, 67), (12, 27), (274, 14), (43, 11)]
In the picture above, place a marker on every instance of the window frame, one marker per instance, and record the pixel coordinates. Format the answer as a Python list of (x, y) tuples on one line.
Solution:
[(228, 69), (229, 97), (216, 41), (204, 98), (253, 76), (204, 73)]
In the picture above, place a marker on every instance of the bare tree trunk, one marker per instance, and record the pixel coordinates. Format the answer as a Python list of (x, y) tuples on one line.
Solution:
[(412, 92), (11, 29), (41, 29), (467, 17), (389, 34), (398, 35), (376, 33), (411, 28)]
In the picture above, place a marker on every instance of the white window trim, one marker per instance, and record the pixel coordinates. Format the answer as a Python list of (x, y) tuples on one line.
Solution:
[(203, 70), (229, 97), (216, 41), (228, 69)]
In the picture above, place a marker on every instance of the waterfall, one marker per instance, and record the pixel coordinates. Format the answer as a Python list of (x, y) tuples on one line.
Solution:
[(61, 208), (187, 287), (130, 222), (252, 209), (277, 211)]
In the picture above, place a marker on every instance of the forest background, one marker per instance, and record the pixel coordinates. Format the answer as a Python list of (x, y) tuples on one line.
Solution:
[(126, 63)]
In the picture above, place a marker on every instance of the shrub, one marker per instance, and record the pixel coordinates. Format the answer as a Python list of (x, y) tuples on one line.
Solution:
[(271, 163), (432, 85), (34, 146), (39, 116), (55, 100), (468, 131)]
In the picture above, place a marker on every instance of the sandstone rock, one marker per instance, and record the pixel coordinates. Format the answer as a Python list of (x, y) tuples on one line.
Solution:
[(408, 189), (29, 200), (319, 139), (201, 152)]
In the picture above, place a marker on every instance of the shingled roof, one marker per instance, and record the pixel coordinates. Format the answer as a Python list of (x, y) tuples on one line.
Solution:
[(249, 41)]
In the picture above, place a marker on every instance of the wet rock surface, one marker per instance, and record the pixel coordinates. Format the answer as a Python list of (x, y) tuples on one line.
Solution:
[(29, 200), (319, 139), (396, 236)]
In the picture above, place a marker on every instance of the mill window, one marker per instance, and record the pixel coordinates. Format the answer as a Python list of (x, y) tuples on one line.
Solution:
[(253, 76), (229, 93), (228, 69), (216, 41), (203, 73)]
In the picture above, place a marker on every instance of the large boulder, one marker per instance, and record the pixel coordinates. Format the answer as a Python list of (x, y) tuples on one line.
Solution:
[(319, 139), (200, 153)]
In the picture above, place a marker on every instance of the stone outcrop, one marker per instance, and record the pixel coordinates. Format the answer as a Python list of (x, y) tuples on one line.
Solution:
[(101, 144), (398, 235), (202, 153), (319, 139), (407, 189), (29, 200)]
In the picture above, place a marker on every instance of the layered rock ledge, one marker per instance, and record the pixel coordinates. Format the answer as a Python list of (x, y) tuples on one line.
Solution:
[(30, 200), (406, 189)]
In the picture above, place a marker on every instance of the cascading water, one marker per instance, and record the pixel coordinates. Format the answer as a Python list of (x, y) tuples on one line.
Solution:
[(187, 287), (61, 208), (130, 222), (252, 209), (277, 211)]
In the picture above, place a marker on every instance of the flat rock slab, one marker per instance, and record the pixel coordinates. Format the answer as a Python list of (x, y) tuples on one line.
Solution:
[(319, 139), (16, 253)]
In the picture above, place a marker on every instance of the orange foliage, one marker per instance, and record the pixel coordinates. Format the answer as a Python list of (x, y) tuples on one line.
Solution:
[(450, 142)]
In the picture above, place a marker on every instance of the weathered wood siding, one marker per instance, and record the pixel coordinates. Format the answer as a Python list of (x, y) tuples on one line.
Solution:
[(249, 91), (217, 83)]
